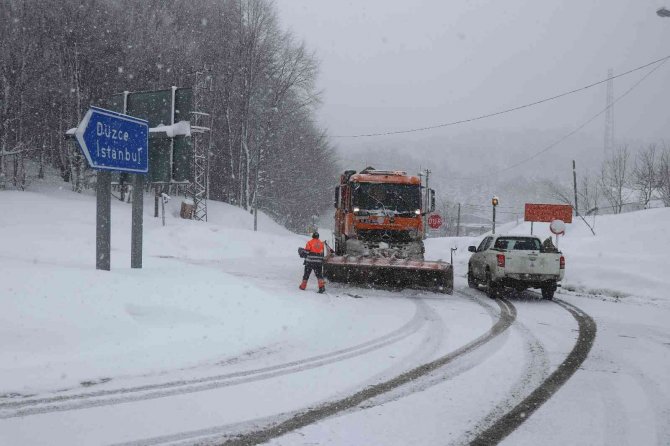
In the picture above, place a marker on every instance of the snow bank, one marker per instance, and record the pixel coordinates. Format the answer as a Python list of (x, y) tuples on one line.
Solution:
[(62, 323), (627, 258)]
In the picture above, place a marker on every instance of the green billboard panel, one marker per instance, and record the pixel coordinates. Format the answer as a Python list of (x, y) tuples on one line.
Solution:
[(165, 164), (153, 106), (182, 159), (159, 160), (183, 104)]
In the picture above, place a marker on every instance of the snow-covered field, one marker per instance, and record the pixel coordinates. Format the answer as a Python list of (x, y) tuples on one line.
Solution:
[(212, 337), (626, 259), (206, 293)]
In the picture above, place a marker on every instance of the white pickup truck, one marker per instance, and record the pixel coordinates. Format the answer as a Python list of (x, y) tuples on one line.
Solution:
[(515, 261)]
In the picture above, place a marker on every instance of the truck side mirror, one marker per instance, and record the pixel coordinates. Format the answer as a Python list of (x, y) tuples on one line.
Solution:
[(472, 248), (337, 197)]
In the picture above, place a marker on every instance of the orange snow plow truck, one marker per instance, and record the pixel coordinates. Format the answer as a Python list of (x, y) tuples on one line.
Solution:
[(379, 233)]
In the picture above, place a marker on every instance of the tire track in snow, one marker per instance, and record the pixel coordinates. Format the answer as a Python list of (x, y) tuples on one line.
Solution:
[(457, 367), (536, 371), (247, 433), (510, 421), (27, 407)]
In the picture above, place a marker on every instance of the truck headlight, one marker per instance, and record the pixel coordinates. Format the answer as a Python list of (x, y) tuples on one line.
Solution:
[(418, 212), (356, 210)]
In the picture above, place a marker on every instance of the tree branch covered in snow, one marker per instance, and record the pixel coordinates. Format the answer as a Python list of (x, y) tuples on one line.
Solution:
[(56, 61)]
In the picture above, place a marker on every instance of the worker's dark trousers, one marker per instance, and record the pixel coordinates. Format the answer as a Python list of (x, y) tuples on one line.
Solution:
[(313, 266)]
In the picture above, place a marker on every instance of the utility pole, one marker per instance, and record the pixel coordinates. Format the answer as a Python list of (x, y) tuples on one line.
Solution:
[(458, 221), (493, 229), (427, 204), (574, 183), (494, 203), (609, 114)]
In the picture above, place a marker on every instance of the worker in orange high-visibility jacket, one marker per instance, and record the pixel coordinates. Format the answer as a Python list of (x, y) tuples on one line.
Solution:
[(314, 262)]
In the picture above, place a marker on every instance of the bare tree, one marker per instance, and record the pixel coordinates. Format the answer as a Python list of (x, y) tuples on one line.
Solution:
[(644, 176), (663, 175), (589, 192), (263, 100), (559, 192), (614, 178)]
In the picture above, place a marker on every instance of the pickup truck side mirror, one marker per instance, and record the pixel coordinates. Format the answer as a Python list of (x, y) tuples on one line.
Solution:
[(472, 248)]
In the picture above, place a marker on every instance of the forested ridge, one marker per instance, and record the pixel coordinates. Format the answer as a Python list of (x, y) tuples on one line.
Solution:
[(58, 58)]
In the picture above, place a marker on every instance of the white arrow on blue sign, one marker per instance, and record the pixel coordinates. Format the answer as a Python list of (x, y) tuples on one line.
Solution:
[(113, 141)]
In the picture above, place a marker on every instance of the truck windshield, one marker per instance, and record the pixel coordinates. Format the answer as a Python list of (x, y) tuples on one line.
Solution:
[(517, 244), (402, 198)]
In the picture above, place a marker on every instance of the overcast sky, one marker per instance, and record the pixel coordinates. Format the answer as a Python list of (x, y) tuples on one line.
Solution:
[(393, 65)]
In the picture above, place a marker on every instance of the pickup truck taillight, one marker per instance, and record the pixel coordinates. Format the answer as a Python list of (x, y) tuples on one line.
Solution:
[(562, 263), (501, 260)]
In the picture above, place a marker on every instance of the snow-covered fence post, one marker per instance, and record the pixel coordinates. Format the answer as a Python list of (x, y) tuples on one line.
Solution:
[(164, 199)]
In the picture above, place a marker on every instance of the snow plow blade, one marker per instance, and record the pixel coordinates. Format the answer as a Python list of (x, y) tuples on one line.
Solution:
[(394, 273)]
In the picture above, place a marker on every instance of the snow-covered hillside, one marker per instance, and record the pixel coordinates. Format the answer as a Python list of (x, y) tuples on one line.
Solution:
[(62, 323), (627, 258), (213, 333)]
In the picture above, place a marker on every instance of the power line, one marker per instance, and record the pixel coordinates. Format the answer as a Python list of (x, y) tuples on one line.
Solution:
[(508, 110), (484, 206), (566, 136)]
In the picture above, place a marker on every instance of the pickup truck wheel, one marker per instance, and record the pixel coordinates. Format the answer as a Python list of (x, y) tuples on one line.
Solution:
[(492, 288), (548, 291), (472, 283)]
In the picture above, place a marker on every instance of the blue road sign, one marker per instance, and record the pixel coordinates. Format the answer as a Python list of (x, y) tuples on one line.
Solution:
[(113, 141)]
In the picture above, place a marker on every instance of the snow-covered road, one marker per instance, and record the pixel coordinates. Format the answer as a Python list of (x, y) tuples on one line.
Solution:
[(442, 349), (256, 388), (212, 342)]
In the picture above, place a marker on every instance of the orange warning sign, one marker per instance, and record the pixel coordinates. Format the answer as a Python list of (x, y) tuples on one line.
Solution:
[(548, 212)]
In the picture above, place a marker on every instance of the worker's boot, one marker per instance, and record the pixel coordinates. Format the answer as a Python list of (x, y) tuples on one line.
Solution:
[(303, 285), (322, 286)]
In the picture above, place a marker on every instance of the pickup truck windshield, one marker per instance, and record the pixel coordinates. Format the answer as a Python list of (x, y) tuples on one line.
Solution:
[(517, 244)]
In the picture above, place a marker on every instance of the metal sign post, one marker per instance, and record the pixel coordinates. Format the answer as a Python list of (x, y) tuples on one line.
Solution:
[(103, 222), (557, 227), (137, 222), (494, 204), (112, 141)]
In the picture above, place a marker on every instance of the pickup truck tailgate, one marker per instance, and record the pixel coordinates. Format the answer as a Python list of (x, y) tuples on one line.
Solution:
[(532, 262)]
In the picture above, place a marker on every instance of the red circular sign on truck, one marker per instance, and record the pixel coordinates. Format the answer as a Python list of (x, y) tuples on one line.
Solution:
[(435, 221)]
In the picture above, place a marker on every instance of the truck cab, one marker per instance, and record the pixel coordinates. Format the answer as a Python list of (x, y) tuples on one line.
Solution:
[(380, 214)]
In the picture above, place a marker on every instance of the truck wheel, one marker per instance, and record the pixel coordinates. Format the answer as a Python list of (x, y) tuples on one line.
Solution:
[(472, 283), (548, 291), (492, 288)]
